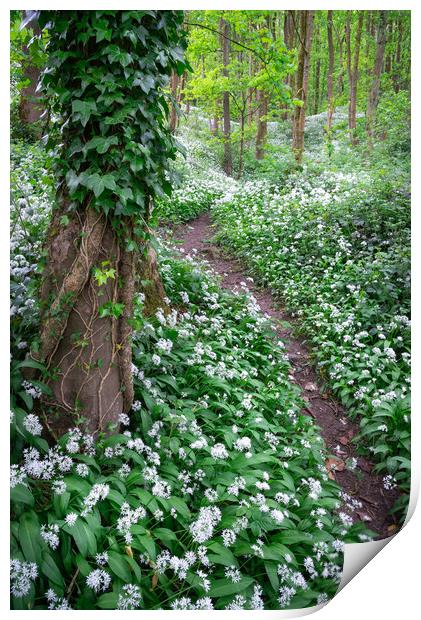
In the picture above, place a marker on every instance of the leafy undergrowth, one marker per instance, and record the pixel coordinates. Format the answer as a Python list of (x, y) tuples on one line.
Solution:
[(213, 495), (335, 247), (197, 182), (333, 242)]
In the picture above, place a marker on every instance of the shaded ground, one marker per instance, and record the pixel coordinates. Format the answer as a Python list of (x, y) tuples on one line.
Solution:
[(368, 501)]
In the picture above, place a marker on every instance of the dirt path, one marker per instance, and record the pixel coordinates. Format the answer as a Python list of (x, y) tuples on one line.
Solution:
[(367, 499)]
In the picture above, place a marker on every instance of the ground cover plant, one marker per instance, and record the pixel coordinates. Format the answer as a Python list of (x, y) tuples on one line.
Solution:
[(161, 457), (204, 499)]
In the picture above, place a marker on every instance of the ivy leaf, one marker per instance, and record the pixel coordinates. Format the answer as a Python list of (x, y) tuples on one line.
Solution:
[(101, 144), (83, 110), (109, 181), (98, 183), (72, 181)]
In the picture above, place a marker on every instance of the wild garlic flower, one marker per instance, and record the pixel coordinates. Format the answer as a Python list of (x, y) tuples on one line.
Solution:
[(22, 574), (98, 580), (130, 597)]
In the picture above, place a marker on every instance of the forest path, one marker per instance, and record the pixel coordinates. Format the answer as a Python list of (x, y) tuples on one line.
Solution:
[(337, 430)]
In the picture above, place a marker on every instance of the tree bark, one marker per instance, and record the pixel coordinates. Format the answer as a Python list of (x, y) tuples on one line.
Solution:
[(397, 64), (373, 97), (306, 34), (227, 162), (30, 109), (331, 68), (174, 94), (353, 64), (81, 350), (289, 39), (262, 125)]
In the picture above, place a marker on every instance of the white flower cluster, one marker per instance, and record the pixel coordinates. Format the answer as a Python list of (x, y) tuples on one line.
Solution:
[(22, 574), (130, 597), (97, 493), (202, 529), (129, 517), (98, 580)]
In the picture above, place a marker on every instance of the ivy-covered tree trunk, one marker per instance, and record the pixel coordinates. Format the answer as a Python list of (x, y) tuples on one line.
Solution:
[(104, 81), (85, 338)]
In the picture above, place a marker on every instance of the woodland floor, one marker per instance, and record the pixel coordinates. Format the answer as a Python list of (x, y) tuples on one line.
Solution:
[(337, 429)]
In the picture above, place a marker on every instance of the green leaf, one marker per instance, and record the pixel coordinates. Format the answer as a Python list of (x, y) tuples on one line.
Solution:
[(83, 537), (83, 110), (21, 494), (108, 600), (222, 587), (272, 573), (29, 537), (95, 183), (222, 555), (148, 544), (164, 534), (83, 565), (101, 144), (118, 564), (50, 569)]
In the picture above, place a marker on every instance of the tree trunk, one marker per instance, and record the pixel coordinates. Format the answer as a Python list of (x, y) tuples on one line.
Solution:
[(227, 162), (331, 105), (289, 39), (373, 97), (174, 95), (353, 74), (81, 350), (262, 125), (317, 88), (397, 64), (341, 63), (250, 93), (306, 33), (30, 109), (85, 339), (316, 71), (241, 156)]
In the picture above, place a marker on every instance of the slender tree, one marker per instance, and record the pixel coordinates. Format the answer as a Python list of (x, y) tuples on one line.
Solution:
[(305, 37), (330, 71), (225, 41), (373, 97), (353, 65), (175, 80)]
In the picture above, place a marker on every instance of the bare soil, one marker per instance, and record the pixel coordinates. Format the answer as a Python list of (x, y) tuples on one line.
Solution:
[(336, 427)]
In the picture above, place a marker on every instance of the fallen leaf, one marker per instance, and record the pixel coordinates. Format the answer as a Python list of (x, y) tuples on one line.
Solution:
[(129, 551), (154, 581), (344, 440), (363, 516), (310, 387), (333, 464), (391, 529)]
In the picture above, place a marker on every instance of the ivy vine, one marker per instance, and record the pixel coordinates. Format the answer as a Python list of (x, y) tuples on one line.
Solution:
[(104, 82)]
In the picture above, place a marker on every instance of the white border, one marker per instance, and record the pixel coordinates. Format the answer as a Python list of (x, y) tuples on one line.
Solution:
[(388, 586)]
